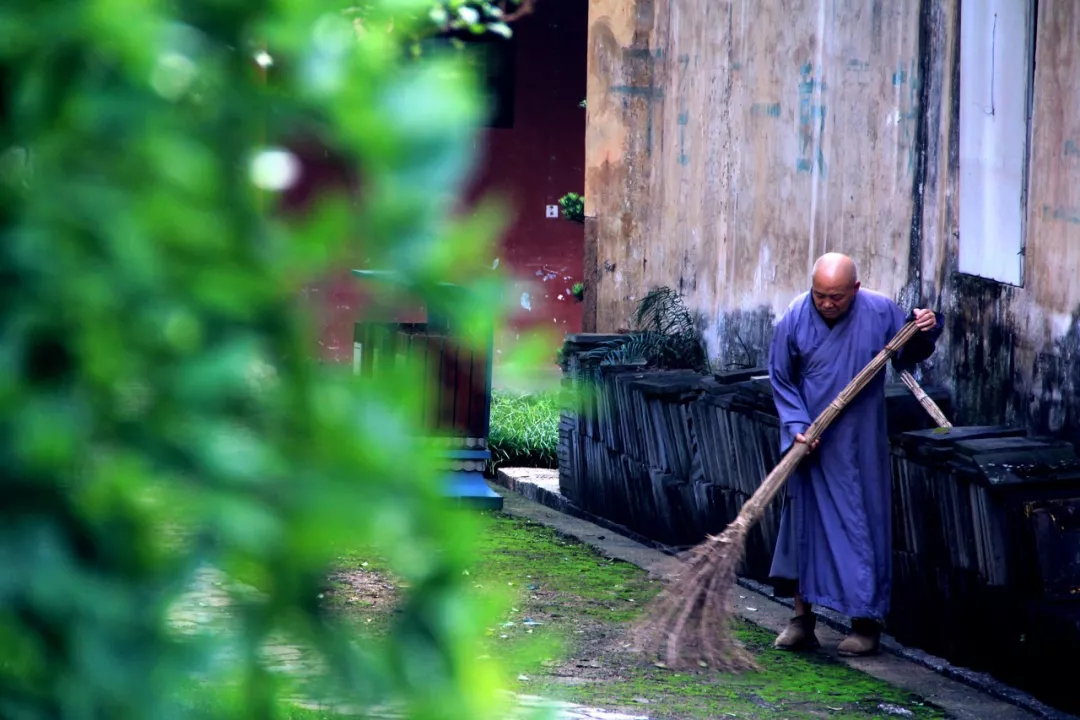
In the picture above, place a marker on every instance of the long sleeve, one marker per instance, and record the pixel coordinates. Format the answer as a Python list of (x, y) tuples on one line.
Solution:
[(794, 417), (919, 347)]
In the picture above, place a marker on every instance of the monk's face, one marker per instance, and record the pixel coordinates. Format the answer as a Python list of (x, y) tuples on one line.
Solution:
[(833, 293)]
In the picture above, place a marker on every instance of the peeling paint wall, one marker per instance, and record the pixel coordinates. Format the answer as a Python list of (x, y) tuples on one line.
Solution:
[(1009, 353), (730, 143)]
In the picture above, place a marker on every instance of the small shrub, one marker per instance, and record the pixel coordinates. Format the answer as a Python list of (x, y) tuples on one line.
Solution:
[(665, 336), (573, 207), (524, 430)]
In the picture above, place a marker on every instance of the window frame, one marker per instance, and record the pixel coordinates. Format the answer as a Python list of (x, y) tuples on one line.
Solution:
[(969, 254)]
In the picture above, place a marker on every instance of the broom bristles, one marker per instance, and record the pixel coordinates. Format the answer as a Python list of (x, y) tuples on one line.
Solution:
[(691, 619)]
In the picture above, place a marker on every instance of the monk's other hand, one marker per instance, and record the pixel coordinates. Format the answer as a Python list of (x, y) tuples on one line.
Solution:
[(802, 439), (925, 319)]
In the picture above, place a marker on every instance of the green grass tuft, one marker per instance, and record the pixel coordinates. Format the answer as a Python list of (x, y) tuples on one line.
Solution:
[(524, 430)]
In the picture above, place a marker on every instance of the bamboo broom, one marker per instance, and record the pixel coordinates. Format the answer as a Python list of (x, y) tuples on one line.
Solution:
[(692, 616), (925, 400)]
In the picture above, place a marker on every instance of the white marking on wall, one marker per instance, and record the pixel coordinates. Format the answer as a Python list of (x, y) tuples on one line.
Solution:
[(1063, 324), (765, 272)]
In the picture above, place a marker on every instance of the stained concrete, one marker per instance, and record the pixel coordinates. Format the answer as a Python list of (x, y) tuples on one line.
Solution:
[(534, 494)]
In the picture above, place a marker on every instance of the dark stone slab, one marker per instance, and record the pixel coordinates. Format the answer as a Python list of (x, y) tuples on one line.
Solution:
[(1055, 529), (737, 376), (592, 339), (984, 523)]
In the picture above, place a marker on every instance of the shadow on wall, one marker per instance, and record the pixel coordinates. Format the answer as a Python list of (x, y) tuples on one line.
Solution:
[(981, 351), (1056, 386), (994, 379), (742, 339), (979, 358)]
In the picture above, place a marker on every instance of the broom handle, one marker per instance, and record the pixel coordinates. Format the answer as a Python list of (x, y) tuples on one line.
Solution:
[(753, 509), (925, 400)]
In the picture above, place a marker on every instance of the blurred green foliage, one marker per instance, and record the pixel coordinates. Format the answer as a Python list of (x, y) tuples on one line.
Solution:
[(162, 409), (478, 16), (422, 18)]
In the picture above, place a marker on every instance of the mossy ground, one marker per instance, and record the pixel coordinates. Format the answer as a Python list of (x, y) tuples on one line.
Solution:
[(565, 638)]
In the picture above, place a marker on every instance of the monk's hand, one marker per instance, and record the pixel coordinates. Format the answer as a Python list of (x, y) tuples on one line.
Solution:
[(800, 438), (925, 319)]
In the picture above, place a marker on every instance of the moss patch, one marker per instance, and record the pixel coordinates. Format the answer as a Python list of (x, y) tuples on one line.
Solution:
[(565, 638)]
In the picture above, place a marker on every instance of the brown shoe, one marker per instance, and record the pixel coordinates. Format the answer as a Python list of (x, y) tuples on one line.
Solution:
[(865, 639), (799, 634)]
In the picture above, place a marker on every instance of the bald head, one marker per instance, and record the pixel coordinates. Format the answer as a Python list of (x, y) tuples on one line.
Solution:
[(834, 268), (835, 284)]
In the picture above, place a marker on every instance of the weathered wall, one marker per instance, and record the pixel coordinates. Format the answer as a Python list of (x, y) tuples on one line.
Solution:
[(1012, 352), (730, 143), (1009, 353)]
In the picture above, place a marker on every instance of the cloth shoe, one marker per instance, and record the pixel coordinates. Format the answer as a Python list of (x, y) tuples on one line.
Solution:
[(865, 639), (799, 634)]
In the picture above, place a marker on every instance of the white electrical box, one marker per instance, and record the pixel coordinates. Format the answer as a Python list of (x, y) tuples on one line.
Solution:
[(552, 211)]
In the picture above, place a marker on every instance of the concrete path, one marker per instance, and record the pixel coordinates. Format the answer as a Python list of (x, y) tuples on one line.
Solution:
[(534, 494)]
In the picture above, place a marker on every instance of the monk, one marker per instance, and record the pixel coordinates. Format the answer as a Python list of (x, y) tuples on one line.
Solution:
[(835, 541)]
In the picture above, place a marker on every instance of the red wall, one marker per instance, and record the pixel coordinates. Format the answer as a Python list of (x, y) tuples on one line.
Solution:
[(535, 163), (530, 165)]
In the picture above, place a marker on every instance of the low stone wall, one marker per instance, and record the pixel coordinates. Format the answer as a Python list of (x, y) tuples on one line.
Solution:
[(986, 554), (986, 520), (673, 455)]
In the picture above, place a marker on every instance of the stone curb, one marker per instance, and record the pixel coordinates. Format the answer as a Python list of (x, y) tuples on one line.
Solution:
[(983, 682), (526, 482)]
